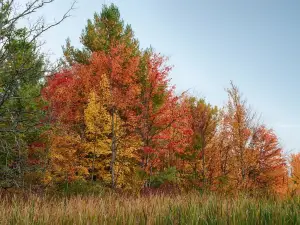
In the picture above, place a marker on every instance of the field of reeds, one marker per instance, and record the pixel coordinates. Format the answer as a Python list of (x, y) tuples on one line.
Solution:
[(114, 209)]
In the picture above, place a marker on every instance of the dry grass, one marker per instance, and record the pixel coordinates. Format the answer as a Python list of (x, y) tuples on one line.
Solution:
[(114, 209)]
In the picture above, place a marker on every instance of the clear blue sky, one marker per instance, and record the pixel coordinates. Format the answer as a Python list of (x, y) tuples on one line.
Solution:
[(254, 43)]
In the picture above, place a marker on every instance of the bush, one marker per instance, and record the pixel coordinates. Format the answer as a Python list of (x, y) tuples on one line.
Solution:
[(167, 176), (82, 187)]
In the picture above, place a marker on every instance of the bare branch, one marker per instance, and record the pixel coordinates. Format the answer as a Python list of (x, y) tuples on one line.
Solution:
[(44, 29)]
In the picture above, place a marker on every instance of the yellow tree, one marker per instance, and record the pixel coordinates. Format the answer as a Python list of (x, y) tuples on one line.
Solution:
[(64, 165), (295, 174), (249, 155), (221, 162), (98, 121), (233, 156), (240, 122)]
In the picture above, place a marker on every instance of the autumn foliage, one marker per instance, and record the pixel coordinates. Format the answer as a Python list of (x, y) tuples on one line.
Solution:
[(114, 118)]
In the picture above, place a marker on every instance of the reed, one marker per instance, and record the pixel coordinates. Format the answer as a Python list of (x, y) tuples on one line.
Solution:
[(116, 209)]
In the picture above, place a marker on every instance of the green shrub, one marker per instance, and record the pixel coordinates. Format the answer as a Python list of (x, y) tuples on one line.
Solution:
[(82, 187), (167, 176)]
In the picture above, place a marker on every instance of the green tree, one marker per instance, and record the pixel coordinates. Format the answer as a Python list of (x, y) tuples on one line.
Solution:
[(104, 33), (22, 67), (20, 107)]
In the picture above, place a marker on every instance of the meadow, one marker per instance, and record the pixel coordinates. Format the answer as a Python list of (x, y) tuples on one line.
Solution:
[(190, 208)]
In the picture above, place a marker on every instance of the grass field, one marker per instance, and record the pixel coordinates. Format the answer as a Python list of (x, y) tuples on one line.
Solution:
[(113, 209)]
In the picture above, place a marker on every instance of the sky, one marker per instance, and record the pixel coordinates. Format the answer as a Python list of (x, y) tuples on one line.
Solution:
[(256, 44)]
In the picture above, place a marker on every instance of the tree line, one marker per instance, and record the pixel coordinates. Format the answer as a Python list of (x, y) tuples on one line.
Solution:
[(109, 115)]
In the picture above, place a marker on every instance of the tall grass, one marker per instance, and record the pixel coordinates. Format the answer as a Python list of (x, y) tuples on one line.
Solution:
[(114, 209)]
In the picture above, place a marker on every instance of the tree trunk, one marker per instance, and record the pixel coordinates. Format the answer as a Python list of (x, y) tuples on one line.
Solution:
[(203, 167), (93, 163), (113, 150)]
